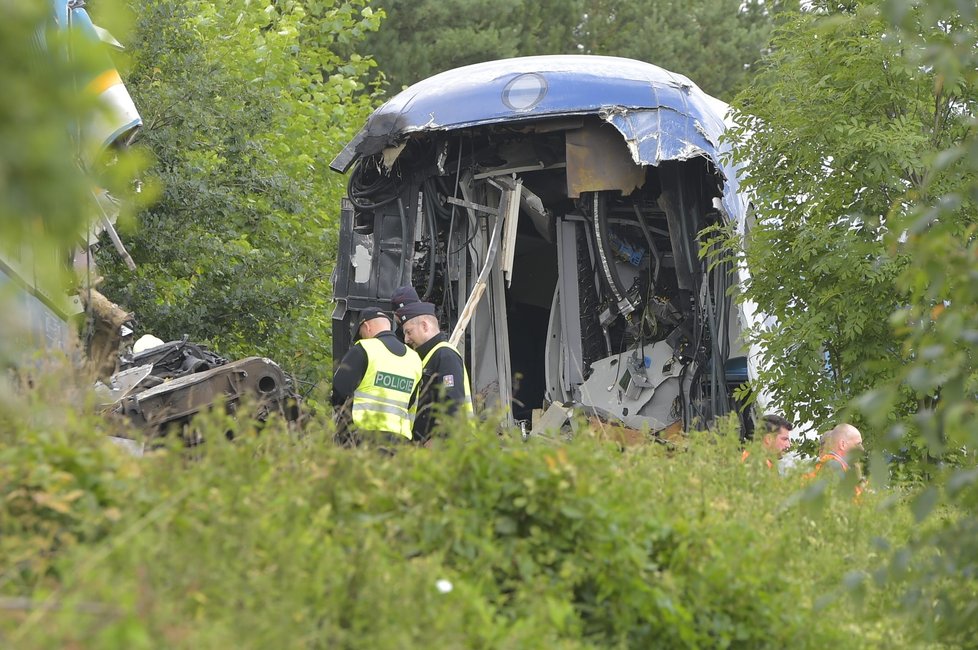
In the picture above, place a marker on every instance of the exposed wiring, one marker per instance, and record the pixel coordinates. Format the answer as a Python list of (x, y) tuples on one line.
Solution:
[(449, 296), (369, 194), (601, 236), (430, 195)]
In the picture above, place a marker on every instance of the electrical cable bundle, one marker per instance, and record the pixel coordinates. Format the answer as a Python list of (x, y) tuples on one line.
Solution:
[(370, 188)]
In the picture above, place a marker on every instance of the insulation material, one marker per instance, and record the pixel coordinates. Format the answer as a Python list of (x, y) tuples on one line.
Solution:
[(598, 159)]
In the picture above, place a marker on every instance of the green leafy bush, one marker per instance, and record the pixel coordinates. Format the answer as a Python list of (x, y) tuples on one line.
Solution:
[(282, 540), (62, 483)]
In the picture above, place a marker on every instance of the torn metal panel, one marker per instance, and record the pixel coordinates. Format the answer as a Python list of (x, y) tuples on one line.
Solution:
[(654, 136), (511, 214), (638, 387), (570, 305), (661, 134), (560, 86), (391, 154), (542, 218), (480, 285), (499, 326), (555, 355), (174, 402)]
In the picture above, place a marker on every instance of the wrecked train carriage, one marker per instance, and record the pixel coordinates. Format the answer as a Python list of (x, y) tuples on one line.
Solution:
[(550, 207)]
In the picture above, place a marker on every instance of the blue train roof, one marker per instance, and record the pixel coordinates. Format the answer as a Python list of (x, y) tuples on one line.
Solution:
[(662, 115)]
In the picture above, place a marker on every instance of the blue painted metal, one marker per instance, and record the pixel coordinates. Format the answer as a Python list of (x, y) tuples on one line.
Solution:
[(735, 370), (476, 95), (661, 115), (71, 14), (60, 13)]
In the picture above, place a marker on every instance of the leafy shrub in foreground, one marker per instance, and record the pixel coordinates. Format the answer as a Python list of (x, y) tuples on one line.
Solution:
[(278, 540), (62, 483)]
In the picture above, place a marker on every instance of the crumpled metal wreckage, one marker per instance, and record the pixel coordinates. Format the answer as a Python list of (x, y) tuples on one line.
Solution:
[(162, 388), (551, 207)]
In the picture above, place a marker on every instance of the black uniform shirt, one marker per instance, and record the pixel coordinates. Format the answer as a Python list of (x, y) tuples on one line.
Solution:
[(442, 383)]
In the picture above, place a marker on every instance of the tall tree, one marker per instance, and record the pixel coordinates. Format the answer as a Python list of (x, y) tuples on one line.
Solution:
[(714, 42), (937, 321), (422, 37), (839, 134), (244, 105)]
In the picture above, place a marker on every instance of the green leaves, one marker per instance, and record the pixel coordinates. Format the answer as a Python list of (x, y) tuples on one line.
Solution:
[(483, 541), (712, 42), (838, 132), (245, 105)]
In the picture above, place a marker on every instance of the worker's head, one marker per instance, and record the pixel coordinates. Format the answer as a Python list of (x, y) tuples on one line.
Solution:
[(404, 296), (372, 322), (419, 323), (777, 434), (844, 440)]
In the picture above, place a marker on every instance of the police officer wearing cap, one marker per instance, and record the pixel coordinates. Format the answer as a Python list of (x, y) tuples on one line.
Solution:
[(444, 382), (376, 384), (403, 296)]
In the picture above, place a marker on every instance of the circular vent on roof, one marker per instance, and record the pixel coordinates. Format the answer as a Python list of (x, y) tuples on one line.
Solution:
[(525, 91)]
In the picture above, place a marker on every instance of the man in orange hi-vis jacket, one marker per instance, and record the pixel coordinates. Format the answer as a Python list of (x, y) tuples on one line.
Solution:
[(776, 440), (838, 448)]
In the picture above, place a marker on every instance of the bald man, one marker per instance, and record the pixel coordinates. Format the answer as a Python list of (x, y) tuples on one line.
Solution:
[(839, 448)]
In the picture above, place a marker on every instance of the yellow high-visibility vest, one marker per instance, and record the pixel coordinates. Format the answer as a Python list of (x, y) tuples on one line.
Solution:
[(382, 401), (465, 407)]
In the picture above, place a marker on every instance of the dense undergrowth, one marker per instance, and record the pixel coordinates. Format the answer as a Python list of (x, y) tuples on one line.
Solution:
[(282, 540)]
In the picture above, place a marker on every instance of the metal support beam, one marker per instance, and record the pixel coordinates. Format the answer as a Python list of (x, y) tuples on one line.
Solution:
[(570, 307), (480, 284), (510, 209)]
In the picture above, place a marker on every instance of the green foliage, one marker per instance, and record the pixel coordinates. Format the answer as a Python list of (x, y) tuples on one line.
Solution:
[(278, 540), (61, 482), (937, 325), (244, 106), (838, 132), (938, 319), (419, 39), (281, 540), (863, 158), (46, 199), (712, 42)]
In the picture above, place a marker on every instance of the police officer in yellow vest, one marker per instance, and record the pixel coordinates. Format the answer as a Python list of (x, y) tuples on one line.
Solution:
[(376, 384), (444, 382)]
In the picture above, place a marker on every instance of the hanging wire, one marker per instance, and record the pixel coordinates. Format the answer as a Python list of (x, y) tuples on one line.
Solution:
[(371, 193), (448, 294)]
